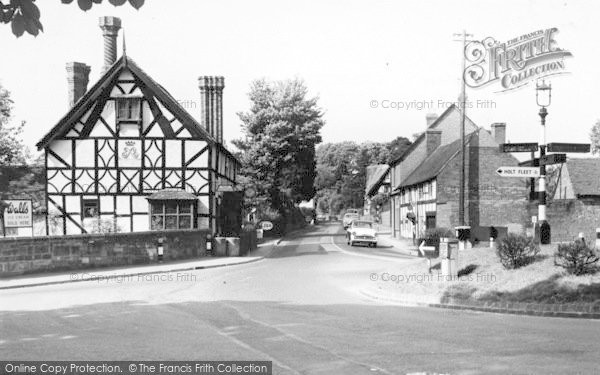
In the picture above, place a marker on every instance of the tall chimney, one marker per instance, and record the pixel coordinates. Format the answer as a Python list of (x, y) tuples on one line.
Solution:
[(77, 78), (499, 132), (211, 105), (430, 118), (110, 30), (433, 139)]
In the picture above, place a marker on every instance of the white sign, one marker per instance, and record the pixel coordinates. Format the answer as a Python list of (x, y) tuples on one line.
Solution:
[(18, 214), (266, 225), (518, 171)]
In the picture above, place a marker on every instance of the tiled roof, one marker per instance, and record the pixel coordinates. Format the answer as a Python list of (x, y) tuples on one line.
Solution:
[(108, 80), (172, 194), (585, 176), (375, 176), (435, 163)]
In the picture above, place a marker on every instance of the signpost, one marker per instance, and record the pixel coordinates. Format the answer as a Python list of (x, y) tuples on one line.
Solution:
[(536, 167), (568, 147), (266, 225), (548, 159), (518, 172), (553, 159), (518, 147), (530, 163)]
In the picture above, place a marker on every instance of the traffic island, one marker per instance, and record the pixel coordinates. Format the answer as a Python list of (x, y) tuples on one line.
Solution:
[(483, 284)]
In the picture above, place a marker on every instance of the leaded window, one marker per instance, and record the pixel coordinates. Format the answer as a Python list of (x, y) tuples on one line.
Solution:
[(170, 214)]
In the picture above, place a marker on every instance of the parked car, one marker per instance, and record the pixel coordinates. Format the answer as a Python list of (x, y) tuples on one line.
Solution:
[(348, 218), (362, 231), (353, 211)]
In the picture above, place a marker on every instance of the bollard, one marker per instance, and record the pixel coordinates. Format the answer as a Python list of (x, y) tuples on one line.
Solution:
[(597, 238), (581, 237), (159, 249), (209, 243), (491, 242), (463, 233)]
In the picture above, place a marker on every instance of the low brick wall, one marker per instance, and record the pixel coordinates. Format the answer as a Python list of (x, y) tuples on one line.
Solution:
[(568, 218), (23, 255)]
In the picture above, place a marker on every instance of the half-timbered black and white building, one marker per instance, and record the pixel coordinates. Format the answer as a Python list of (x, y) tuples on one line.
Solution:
[(128, 154)]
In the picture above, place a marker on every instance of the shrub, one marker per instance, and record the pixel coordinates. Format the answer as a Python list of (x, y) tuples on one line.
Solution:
[(576, 257), (105, 226), (516, 250)]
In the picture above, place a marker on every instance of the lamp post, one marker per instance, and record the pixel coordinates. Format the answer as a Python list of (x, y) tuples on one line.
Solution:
[(543, 96)]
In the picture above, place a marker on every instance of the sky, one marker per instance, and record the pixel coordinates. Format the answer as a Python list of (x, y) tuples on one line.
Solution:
[(356, 56)]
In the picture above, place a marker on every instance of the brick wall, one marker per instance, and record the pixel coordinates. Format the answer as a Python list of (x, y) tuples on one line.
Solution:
[(567, 218), (490, 200), (39, 254)]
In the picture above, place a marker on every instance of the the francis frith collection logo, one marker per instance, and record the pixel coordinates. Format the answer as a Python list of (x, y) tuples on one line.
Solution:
[(514, 63)]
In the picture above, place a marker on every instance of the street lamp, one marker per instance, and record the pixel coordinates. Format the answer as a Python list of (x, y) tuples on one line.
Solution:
[(543, 97)]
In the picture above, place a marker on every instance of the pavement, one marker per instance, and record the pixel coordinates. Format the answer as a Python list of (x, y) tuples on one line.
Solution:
[(300, 307), (99, 274)]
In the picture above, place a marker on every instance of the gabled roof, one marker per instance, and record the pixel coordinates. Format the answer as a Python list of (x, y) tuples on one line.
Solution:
[(435, 163), (148, 85), (585, 176), (375, 176), (421, 138)]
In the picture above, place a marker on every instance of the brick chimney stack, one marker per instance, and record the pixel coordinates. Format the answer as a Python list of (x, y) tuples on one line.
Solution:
[(211, 105), (110, 30), (433, 140), (77, 78), (430, 118), (499, 132)]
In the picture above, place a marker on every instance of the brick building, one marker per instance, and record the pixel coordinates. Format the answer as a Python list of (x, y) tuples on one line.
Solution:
[(426, 179)]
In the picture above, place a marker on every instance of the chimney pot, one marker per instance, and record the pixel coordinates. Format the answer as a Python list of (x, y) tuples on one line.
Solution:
[(110, 30), (77, 78), (499, 132), (430, 118), (211, 105), (433, 140)]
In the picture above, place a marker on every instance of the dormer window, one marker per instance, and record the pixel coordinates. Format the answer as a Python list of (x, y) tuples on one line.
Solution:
[(128, 109)]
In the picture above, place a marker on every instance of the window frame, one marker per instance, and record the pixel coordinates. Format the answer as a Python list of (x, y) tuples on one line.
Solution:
[(134, 111), (83, 207), (178, 215)]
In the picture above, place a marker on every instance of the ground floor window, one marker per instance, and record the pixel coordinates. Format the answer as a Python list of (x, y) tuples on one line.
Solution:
[(90, 207), (171, 215), (429, 220)]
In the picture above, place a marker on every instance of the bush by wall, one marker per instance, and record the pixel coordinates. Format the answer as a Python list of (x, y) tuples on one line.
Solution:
[(516, 250), (576, 257)]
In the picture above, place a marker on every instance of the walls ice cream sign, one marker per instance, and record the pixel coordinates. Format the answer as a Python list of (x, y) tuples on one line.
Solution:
[(515, 63)]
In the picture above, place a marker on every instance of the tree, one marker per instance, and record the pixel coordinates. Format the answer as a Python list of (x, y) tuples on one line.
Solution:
[(24, 15), (397, 147), (281, 130), (342, 169), (595, 138), (12, 150)]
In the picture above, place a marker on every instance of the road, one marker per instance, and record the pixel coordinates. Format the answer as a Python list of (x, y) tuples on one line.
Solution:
[(300, 308)]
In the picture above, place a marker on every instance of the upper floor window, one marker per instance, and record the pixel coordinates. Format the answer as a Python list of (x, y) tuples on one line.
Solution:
[(128, 109)]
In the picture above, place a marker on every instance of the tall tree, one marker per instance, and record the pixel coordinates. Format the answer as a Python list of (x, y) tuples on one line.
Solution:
[(281, 130), (24, 15), (12, 150)]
